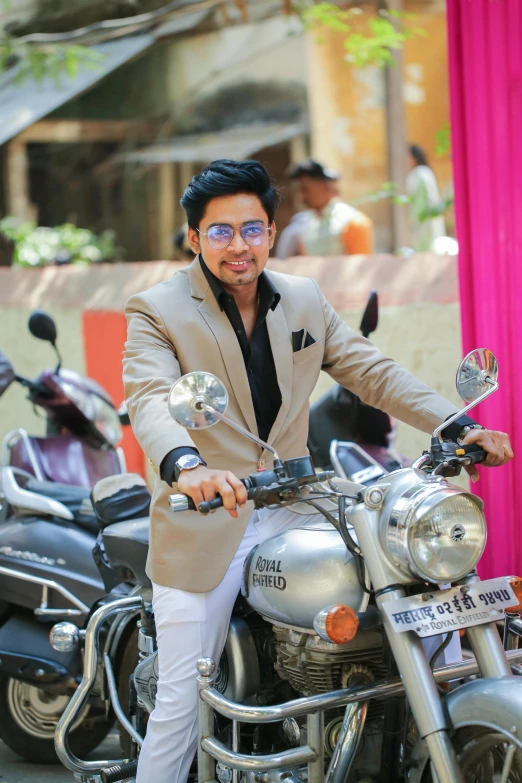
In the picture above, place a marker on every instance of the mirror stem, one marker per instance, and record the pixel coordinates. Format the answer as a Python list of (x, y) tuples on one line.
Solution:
[(238, 428), (58, 366), (494, 387)]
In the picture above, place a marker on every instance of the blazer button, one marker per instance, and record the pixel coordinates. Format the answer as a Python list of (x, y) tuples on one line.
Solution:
[(261, 464)]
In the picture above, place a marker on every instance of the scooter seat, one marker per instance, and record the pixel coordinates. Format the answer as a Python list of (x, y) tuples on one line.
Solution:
[(119, 499), (76, 499), (126, 545)]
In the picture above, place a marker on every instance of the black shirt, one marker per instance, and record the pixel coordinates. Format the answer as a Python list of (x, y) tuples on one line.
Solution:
[(257, 355)]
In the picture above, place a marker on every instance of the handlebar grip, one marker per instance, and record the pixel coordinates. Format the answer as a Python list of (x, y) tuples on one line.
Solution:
[(474, 453), (210, 505)]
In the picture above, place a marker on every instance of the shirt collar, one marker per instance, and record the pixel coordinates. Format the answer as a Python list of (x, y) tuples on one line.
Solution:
[(269, 296)]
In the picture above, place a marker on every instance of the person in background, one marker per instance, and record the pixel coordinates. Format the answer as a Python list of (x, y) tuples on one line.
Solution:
[(332, 227), (422, 188), (288, 243)]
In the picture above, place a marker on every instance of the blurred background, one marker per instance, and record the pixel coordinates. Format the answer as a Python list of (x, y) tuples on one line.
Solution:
[(108, 108)]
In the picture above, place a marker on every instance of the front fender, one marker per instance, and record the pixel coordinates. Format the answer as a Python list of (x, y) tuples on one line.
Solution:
[(494, 703)]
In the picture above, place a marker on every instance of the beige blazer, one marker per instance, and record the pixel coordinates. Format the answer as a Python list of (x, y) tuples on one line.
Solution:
[(177, 327)]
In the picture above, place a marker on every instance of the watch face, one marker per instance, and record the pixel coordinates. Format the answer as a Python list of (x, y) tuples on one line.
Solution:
[(188, 461)]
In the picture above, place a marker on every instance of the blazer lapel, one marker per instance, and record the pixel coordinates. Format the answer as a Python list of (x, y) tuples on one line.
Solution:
[(227, 341), (284, 364)]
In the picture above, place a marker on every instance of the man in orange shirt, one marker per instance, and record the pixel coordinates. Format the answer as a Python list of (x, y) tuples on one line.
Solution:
[(332, 227)]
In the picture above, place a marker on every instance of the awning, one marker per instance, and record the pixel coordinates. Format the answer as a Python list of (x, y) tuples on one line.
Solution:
[(22, 104), (238, 143)]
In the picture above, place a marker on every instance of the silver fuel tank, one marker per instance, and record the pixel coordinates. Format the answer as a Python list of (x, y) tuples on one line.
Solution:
[(289, 578)]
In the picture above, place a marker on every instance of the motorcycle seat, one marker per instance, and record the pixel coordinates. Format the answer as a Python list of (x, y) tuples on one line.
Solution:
[(76, 499), (126, 545)]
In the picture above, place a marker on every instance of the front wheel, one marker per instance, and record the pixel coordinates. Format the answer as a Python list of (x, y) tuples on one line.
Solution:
[(29, 718), (485, 756)]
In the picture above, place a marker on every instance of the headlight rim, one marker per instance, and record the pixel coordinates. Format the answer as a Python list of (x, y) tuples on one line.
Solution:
[(408, 509)]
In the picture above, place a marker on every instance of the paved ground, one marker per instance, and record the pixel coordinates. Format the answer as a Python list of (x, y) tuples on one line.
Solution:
[(13, 769)]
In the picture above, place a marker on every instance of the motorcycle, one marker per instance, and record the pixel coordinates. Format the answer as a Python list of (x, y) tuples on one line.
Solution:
[(47, 532), (330, 679), (348, 436)]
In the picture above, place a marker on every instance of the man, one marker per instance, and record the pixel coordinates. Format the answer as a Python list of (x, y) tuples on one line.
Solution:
[(266, 336), (332, 228)]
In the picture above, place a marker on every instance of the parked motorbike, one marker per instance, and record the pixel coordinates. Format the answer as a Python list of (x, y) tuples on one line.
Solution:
[(348, 436), (47, 532), (328, 678)]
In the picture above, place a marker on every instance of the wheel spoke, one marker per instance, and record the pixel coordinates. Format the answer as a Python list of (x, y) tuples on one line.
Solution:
[(508, 763)]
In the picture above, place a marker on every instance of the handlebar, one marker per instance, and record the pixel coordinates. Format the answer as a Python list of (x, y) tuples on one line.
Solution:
[(475, 454), (266, 485)]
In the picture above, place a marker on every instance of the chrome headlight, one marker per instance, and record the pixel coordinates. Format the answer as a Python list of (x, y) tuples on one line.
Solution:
[(436, 532)]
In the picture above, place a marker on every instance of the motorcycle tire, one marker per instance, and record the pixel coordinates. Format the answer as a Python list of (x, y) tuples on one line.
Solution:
[(482, 755), (29, 718)]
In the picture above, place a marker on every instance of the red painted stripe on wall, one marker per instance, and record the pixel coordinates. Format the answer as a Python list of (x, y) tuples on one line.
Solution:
[(104, 335)]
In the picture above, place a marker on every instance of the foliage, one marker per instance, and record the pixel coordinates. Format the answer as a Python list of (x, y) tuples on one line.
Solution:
[(65, 244), (374, 48), (390, 191), (42, 62), (443, 141)]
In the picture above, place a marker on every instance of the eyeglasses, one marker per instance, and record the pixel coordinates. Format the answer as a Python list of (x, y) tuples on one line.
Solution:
[(221, 236)]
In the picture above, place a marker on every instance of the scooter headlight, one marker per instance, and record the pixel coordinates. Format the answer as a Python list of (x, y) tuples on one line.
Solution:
[(436, 533)]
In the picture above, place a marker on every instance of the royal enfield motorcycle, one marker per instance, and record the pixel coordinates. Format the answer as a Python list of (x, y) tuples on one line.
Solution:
[(331, 671), (47, 532)]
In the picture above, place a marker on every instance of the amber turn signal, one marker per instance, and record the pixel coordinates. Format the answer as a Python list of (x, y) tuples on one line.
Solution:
[(516, 586), (337, 624)]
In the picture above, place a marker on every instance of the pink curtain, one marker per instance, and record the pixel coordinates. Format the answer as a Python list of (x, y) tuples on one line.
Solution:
[(485, 59)]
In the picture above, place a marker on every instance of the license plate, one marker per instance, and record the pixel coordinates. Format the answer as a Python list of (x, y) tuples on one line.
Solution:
[(438, 612)]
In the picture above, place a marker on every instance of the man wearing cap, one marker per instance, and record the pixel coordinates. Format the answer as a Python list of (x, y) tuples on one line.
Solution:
[(332, 227)]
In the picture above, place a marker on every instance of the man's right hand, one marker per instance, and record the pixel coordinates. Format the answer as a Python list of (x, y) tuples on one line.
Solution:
[(202, 483)]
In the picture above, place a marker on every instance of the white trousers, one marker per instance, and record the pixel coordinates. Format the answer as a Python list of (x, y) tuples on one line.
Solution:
[(191, 626)]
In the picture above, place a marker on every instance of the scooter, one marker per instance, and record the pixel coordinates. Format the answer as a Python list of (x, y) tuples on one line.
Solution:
[(348, 436), (47, 533)]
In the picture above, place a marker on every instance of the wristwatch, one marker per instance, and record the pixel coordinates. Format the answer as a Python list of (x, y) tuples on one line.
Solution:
[(187, 462), (464, 431)]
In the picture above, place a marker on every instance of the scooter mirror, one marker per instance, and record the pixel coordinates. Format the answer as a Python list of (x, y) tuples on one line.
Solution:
[(370, 317), (477, 373), (193, 391), (42, 326), (7, 373)]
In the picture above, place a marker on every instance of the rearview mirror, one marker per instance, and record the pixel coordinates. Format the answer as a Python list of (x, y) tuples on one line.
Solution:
[(477, 373), (191, 397), (42, 326), (370, 317), (7, 373)]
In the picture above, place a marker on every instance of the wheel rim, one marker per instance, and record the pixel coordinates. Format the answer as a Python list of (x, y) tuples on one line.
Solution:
[(491, 758), (36, 711)]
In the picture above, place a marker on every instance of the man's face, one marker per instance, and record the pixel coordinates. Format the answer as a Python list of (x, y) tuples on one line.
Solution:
[(239, 263), (315, 193)]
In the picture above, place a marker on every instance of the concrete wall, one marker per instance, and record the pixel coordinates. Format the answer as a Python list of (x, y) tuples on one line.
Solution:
[(419, 321)]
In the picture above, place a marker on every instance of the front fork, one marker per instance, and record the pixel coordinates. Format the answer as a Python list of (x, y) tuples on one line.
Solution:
[(420, 687)]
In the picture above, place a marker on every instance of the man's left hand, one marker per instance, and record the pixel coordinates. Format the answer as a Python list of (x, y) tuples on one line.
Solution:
[(496, 444)]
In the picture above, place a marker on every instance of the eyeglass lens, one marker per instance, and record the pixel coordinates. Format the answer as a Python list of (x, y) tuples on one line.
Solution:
[(222, 236)]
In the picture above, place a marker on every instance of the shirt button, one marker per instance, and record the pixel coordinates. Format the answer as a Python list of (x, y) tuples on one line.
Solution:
[(240, 331)]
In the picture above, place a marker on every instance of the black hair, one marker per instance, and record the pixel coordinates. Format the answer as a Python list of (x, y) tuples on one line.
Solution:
[(418, 155), (312, 169), (228, 178)]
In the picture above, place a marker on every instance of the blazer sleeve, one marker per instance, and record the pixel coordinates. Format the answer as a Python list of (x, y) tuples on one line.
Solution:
[(357, 364), (150, 367)]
